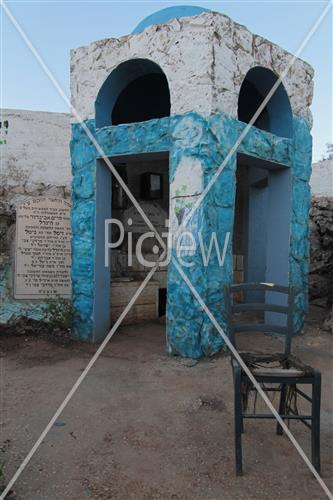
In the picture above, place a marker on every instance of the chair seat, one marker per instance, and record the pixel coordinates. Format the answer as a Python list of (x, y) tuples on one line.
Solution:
[(278, 372), (275, 373), (274, 365)]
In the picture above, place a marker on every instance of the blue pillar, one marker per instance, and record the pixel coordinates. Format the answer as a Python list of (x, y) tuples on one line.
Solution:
[(189, 330), (83, 231)]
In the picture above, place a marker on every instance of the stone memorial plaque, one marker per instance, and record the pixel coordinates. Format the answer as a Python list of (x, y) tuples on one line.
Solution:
[(43, 252)]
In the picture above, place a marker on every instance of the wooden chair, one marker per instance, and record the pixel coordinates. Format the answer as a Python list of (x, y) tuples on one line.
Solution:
[(282, 370)]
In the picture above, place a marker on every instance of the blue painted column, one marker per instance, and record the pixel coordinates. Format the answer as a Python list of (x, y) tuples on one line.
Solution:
[(218, 207), (189, 330), (299, 258), (91, 205), (83, 231)]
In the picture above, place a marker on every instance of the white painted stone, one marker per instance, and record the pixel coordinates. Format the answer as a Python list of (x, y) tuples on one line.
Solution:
[(36, 149), (223, 27), (321, 180), (262, 51), (226, 101), (243, 38), (225, 62), (179, 60), (244, 62), (188, 180), (203, 58), (184, 190)]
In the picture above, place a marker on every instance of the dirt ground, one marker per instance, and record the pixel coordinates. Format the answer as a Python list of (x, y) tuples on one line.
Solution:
[(147, 426)]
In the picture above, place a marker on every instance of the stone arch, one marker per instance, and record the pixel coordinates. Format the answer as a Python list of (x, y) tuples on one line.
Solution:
[(137, 90), (277, 116)]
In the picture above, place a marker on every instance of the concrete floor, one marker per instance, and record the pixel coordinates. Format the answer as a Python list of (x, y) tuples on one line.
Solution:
[(147, 426)]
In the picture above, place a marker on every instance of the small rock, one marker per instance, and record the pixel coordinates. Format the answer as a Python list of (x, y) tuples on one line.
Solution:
[(189, 362)]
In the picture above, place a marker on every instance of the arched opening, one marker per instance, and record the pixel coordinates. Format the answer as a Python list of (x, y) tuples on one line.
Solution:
[(276, 117), (136, 91)]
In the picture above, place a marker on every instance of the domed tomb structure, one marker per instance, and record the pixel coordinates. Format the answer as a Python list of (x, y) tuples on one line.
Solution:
[(167, 105)]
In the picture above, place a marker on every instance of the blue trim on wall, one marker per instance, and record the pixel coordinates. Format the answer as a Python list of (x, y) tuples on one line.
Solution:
[(164, 15)]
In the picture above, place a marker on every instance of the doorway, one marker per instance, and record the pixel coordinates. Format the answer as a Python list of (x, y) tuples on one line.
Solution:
[(134, 248), (262, 223)]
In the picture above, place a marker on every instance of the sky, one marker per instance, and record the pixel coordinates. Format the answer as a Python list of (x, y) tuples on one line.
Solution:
[(54, 27)]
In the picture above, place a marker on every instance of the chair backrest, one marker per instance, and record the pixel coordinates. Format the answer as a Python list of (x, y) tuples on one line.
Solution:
[(268, 306)]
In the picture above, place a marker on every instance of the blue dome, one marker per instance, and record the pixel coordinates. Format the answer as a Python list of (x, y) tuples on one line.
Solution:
[(165, 15)]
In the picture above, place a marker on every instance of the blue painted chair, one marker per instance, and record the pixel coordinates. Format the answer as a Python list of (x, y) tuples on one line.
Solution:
[(282, 370)]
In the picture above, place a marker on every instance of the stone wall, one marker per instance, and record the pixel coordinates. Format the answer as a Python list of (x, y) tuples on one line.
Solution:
[(34, 149), (35, 162), (321, 267)]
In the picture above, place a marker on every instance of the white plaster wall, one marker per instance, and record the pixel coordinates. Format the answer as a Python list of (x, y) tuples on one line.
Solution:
[(321, 180), (36, 149), (205, 59)]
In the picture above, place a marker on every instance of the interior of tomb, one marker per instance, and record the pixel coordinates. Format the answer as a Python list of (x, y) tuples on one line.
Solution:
[(147, 177)]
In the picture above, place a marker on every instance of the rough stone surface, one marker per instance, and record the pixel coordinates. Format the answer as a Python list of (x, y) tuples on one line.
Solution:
[(328, 323), (209, 52), (321, 269)]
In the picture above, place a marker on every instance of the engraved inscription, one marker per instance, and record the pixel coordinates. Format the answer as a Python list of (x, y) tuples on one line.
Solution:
[(43, 254)]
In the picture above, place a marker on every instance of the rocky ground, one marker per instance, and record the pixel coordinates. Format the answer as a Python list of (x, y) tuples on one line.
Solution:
[(147, 426)]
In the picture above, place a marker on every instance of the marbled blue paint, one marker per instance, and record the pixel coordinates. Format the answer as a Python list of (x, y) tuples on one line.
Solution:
[(189, 331)]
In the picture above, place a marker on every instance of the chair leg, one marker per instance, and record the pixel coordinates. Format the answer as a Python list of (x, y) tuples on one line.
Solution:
[(282, 407), (315, 432), (238, 421)]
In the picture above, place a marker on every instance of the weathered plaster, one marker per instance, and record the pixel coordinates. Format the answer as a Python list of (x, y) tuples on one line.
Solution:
[(35, 151), (205, 59)]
